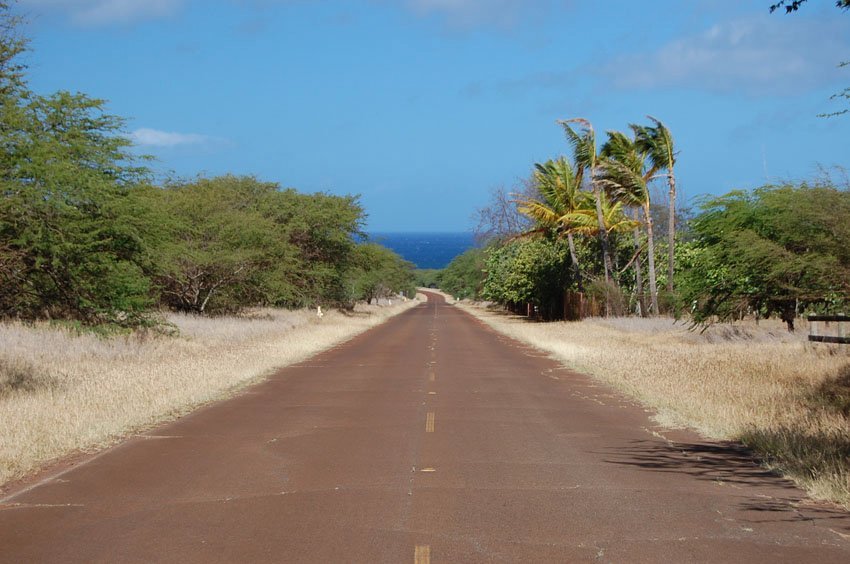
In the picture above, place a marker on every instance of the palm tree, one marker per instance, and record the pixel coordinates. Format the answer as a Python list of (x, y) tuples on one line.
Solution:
[(614, 216), (562, 207), (625, 174), (657, 143), (585, 157)]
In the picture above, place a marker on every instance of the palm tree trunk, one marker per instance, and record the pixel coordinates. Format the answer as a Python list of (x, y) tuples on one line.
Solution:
[(574, 257), (638, 266), (603, 235), (671, 230), (650, 248)]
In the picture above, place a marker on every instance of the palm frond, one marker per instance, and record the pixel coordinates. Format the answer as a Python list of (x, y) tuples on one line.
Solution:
[(619, 147), (657, 142), (538, 211), (583, 143), (623, 182)]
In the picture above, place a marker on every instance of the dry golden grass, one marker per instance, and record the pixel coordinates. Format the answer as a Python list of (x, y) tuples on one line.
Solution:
[(786, 398), (61, 392)]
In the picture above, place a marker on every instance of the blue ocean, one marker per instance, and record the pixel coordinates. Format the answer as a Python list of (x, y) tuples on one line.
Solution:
[(426, 250)]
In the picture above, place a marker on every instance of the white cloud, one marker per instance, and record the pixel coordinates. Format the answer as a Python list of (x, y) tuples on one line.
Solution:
[(756, 56), (147, 137), (105, 12)]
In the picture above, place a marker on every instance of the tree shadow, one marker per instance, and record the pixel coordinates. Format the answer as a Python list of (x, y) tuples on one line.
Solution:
[(723, 462), (731, 463)]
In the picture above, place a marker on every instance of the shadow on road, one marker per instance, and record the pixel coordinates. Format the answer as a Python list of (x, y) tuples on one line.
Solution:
[(730, 464)]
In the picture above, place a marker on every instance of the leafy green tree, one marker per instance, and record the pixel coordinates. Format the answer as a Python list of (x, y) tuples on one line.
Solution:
[(230, 242), (427, 277), (464, 277), (775, 250), (528, 271), (12, 45), (323, 228), (71, 248), (562, 209), (380, 273), (214, 246)]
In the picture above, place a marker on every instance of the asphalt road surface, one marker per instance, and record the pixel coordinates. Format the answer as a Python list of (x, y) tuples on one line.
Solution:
[(428, 439)]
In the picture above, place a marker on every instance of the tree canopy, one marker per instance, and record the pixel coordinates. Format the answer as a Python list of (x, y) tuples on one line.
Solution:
[(777, 249), (85, 234)]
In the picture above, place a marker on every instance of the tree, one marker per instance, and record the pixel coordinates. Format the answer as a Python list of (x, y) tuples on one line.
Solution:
[(72, 246), (528, 271), (585, 157), (216, 244), (12, 45), (323, 227), (379, 273), (624, 173), (777, 249), (499, 219), (793, 5), (562, 208), (464, 276), (656, 143)]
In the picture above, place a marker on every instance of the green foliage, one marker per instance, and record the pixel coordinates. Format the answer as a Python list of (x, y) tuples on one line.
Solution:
[(69, 245), (84, 239), (378, 273), (427, 277), (12, 45), (229, 242), (323, 228), (774, 250), (464, 276), (211, 243), (528, 271)]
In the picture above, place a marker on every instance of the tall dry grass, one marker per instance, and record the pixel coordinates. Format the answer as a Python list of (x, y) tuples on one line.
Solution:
[(61, 392), (786, 398)]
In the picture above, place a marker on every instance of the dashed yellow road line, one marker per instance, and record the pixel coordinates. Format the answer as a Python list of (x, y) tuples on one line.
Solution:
[(429, 422), (422, 554)]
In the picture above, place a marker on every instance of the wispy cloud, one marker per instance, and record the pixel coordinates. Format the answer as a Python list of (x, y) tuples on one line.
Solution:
[(755, 56), (106, 12), (147, 137)]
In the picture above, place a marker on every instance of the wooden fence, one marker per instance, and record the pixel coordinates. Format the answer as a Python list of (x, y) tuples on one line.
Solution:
[(577, 306), (829, 329)]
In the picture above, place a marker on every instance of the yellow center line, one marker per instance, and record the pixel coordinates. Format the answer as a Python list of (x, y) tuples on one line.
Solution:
[(429, 422), (422, 554)]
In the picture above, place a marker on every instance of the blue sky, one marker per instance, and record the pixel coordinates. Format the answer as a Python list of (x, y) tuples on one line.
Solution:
[(424, 106)]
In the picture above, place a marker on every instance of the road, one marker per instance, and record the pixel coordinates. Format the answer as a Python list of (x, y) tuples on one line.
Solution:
[(428, 439)]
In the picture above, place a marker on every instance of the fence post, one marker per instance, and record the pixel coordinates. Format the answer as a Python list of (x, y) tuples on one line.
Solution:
[(820, 336)]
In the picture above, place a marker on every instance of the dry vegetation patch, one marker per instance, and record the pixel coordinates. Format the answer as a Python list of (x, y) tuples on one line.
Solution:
[(62, 392), (785, 397)]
